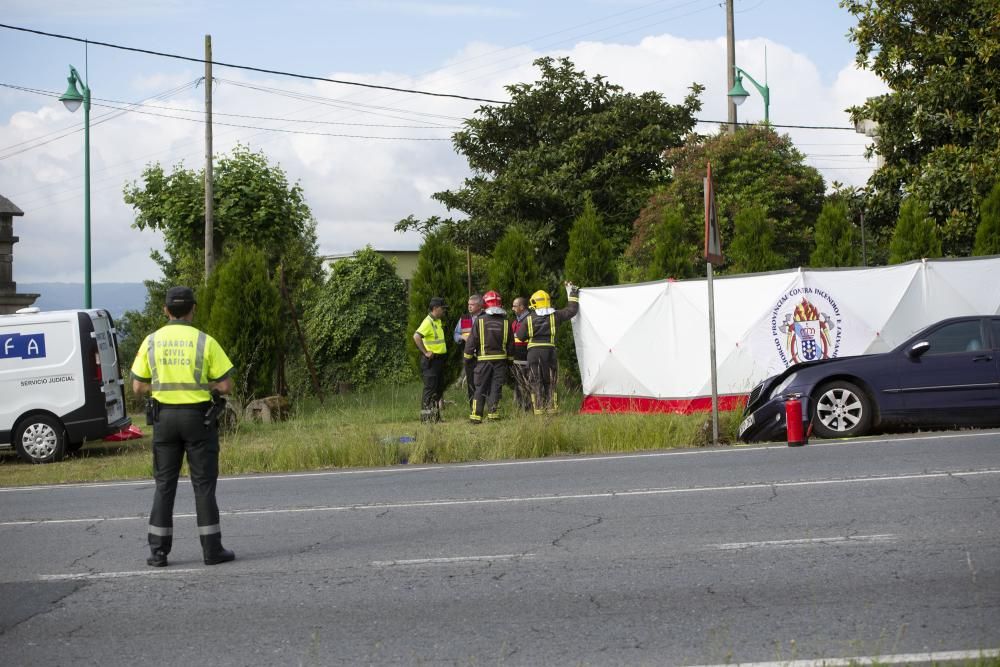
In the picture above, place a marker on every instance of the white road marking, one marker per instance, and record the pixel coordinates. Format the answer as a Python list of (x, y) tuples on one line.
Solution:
[(115, 575), (930, 657), (537, 499), (454, 559), (807, 541), (555, 460)]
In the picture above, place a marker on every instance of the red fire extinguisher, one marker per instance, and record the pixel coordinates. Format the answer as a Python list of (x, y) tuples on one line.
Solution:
[(793, 421)]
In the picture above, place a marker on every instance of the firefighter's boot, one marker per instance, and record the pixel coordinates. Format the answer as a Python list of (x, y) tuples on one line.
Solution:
[(212, 549)]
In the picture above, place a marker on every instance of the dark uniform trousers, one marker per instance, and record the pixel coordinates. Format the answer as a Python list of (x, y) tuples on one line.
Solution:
[(542, 369), (470, 379), (432, 371), (181, 430), (490, 376)]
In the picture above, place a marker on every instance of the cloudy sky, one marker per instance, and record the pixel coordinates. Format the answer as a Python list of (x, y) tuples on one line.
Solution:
[(365, 158)]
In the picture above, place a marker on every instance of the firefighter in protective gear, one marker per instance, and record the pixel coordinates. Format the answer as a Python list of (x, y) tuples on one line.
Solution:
[(540, 333), (429, 338), (519, 365), (180, 366), (490, 341)]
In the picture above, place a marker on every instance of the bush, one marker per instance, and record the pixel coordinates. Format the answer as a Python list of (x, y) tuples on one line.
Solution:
[(355, 326)]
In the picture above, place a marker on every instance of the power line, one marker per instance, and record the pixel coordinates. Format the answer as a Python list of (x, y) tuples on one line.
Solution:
[(253, 69)]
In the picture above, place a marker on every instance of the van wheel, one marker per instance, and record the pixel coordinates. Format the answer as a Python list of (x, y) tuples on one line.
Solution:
[(40, 439)]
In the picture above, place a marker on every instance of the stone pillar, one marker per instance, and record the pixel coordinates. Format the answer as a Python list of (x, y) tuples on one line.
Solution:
[(10, 300)]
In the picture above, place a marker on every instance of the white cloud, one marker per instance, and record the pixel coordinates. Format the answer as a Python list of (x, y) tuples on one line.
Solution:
[(359, 188)]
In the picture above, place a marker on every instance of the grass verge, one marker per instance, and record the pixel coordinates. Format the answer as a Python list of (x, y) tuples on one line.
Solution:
[(381, 427)]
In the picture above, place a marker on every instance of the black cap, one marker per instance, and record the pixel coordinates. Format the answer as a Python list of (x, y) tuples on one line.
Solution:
[(437, 301), (180, 296)]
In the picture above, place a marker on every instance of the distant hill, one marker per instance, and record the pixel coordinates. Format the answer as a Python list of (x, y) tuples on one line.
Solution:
[(116, 298)]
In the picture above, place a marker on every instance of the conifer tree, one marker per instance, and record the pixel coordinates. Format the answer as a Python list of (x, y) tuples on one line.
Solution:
[(988, 234), (590, 262), (244, 317), (752, 249), (916, 235), (513, 269), (834, 237), (673, 257), (440, 272)]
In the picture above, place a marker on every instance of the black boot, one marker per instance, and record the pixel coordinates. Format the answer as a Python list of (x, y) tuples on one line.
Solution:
[(157, 559), (213, 551)]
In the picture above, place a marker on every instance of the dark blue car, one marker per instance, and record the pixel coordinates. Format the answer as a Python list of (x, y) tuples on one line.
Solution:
[(946, 375)]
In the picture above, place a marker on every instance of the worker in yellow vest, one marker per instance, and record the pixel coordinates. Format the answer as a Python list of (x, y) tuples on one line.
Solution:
[(185, 371)]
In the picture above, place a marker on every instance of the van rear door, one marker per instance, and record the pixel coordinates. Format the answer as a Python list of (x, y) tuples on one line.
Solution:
[(106, 365)]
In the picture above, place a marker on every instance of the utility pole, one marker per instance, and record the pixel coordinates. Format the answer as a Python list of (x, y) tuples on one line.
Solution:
[(209, 231), (730, 63)]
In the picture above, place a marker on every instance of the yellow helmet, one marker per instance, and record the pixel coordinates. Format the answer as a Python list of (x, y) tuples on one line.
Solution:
[(540, 299)]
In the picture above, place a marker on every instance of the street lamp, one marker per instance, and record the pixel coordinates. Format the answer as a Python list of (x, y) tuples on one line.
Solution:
[(72, 98), (739, 94)]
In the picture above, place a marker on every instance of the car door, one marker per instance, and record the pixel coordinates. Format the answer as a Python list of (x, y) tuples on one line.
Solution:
[(955, 381)]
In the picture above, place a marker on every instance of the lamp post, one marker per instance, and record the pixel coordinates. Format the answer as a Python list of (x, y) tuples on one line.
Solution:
[(72, 98), (739, 94)]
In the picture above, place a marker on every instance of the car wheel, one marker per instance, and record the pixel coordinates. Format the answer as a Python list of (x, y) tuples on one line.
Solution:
[(40, 439), (841, 410)]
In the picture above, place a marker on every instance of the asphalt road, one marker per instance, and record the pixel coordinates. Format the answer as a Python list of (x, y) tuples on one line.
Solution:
[(880, 547)]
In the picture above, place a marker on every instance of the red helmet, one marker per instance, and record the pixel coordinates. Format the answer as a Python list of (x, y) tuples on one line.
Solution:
[(492, 299)]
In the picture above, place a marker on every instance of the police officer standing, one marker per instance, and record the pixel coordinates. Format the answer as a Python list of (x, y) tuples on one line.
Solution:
[(429, 338), (182, 367)]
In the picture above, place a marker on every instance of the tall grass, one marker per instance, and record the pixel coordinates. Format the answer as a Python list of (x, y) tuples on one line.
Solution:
[(381, 427)]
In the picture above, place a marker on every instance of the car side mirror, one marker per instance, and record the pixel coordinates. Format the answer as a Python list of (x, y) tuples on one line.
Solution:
[(918, 349)]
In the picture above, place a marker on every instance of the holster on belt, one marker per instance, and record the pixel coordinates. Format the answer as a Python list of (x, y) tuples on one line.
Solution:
[(152, 411)]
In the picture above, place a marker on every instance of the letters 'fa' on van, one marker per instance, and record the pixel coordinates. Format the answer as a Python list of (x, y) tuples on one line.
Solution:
[(60, 383)]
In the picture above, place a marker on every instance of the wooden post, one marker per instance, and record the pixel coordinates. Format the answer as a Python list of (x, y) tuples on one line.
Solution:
[(209, 223)]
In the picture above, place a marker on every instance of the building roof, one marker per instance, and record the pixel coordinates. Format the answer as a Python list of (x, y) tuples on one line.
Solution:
[(7, 206)]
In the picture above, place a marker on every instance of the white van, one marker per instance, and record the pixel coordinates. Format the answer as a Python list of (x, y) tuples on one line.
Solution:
[(60, 383)]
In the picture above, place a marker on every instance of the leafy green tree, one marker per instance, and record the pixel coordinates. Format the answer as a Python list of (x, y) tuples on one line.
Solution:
[(440, 272), (939, 126), (561, 136), (673, 256), (755, 164), (916, 235), (355, 327), (835, 245), (513, 269), (254, 205), (988, 234), (245, 318), (752, 249)]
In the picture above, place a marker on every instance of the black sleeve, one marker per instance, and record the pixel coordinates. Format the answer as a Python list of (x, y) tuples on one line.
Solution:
[(570, 311)]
